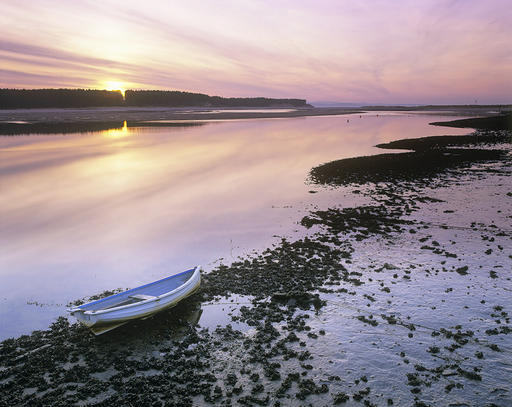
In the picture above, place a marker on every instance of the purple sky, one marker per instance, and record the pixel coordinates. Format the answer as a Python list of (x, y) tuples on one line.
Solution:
[(374, 51)]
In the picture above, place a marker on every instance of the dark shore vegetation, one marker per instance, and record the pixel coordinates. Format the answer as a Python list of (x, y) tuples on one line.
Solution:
[(63, 98), (399, 167), (183, 99), (439, 142), (76, 98), (273, 353)]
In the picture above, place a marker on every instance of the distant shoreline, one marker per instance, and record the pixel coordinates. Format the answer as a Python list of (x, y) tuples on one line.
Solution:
[(161, 113), (72, 120), (46, 121)]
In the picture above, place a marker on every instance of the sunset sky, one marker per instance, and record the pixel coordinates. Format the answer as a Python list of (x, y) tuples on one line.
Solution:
[(371, 51)]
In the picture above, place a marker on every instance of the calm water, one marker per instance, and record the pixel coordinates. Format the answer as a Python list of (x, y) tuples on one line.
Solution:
[(83, 213)]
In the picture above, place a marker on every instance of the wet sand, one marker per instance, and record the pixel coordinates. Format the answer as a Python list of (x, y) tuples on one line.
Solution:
[(64, 121), (157, 113), (402, 300)]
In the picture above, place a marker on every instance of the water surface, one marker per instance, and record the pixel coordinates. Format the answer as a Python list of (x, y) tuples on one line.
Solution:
[(82, 213)]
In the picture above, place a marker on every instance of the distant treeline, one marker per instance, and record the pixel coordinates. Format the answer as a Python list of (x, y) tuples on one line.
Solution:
[(33, 98), (182, 99), (40, 98)]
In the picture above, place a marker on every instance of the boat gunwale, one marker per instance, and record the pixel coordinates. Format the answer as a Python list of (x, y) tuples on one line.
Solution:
[(196, 270)]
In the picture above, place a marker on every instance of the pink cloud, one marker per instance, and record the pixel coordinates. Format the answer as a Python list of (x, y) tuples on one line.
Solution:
[(378, 51)]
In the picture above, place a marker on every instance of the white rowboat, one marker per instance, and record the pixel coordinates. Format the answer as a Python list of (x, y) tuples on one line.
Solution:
[(141, 302)]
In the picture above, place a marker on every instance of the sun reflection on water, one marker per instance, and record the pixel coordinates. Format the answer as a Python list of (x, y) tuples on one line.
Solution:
[(119, 132)]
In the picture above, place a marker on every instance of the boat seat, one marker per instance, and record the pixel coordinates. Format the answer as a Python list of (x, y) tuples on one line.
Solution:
[(142, 297)]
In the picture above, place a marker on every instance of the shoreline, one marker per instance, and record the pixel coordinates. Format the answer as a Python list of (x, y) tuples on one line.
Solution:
[(46, 121), (145, 114)]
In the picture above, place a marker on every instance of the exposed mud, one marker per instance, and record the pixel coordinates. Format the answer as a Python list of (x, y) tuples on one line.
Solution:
[(478, 138), (501, 122), (402, 167)]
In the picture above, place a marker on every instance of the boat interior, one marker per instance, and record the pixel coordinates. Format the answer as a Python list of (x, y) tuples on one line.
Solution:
[(138, 294)]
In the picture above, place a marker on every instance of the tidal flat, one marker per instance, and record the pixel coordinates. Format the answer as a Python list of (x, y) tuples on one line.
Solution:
[(83, 120), (396, 293)]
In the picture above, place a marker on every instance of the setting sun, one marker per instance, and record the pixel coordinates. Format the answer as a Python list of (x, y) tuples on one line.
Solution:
[(112, 85)]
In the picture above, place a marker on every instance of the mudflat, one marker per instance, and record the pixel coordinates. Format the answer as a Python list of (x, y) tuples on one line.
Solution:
[(146, 114)]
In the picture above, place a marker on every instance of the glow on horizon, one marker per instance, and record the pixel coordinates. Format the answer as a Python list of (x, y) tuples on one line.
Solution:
[(114, 85), (378, 51)]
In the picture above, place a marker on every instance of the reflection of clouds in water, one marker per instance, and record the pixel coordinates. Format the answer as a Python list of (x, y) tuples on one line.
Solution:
[(95, 211), (43, 161)]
